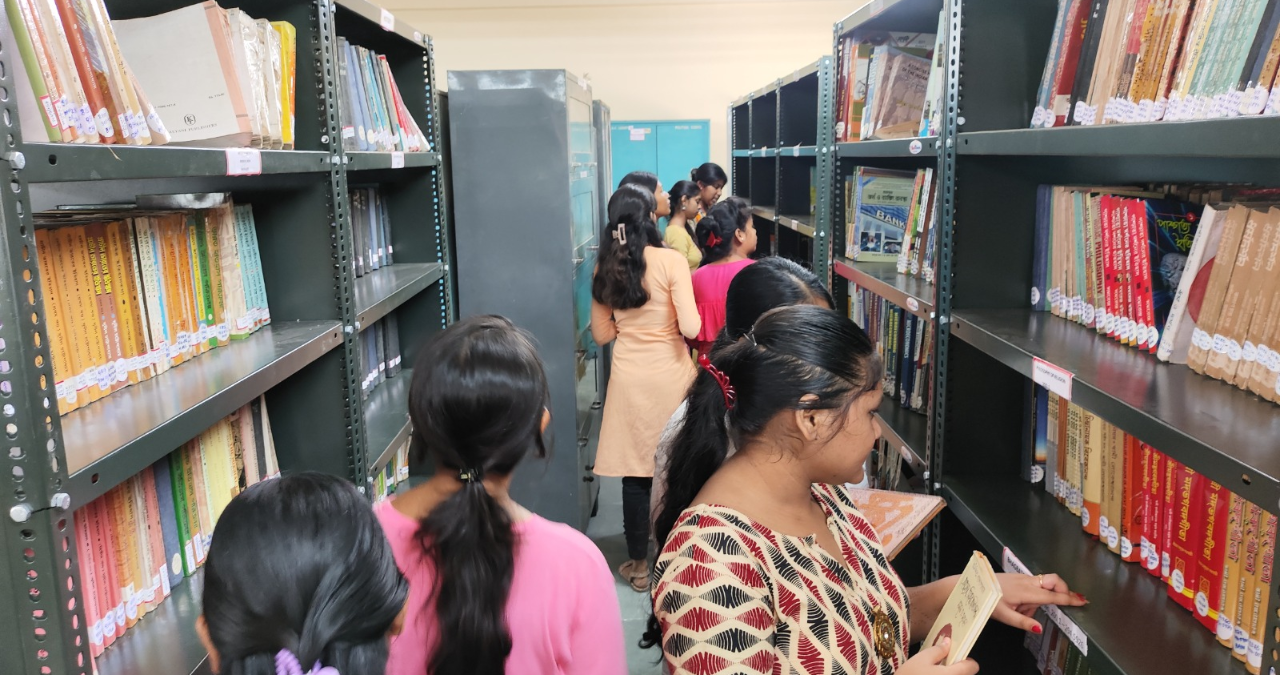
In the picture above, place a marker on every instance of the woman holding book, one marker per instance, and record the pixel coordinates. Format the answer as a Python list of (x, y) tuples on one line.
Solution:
[(728, 238), (642, 297), (767, 564)]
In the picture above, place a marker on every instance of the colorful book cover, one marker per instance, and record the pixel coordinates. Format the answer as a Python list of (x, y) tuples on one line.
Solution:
[(1214, 521), (881, 215), (178, 477), (162, 477), (1093, 463), (88, 580), (1186, 538), (1171, 231), (1132, 497)]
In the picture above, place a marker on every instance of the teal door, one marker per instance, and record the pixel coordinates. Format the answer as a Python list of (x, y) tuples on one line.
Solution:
[(668, 148)]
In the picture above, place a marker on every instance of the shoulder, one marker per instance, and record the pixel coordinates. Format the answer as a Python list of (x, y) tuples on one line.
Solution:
[(396, 525), (572, 550), (665, 256), (713, 548)]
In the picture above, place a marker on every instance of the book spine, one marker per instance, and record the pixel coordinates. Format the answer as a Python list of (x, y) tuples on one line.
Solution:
[(1231, 569), (186, 541), (97, 107), (1092, 463), (31, 49), (1262, 596), (82, 258), (88, 581), (123, 296), (172, 568), (108, 591), (155, 536), (55, 324), (1185, 537), (1214, 519), (1132, 499), (117, 371), (1248, 580)]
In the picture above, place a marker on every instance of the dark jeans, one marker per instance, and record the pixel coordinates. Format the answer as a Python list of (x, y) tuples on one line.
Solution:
[(635, 515)]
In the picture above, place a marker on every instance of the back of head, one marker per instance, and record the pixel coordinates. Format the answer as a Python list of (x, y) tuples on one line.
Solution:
[(681, 191), (716, 231), (642, 178), (477, 401), (619, 277), (301, 563), (709, 174), (767, 284)]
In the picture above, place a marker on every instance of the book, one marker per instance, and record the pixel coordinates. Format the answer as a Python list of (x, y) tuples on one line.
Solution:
[(372, 113), (897, 517), (967, 609), (878, 219)]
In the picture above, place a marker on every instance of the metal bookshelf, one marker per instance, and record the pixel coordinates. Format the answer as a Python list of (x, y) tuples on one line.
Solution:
[(780, 138), (305, 362)]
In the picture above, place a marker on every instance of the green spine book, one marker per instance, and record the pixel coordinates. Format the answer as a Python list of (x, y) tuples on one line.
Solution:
[(209, 322), (26, 49), (177, 473)]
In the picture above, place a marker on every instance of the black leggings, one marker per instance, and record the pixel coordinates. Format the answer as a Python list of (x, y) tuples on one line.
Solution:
[(635, 515)]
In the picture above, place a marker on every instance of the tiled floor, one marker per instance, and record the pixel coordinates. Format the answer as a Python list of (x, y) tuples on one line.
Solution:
[(606, 531)]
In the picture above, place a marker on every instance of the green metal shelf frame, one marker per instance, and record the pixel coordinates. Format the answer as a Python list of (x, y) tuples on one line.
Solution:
[(911, 293), (387, 410), (304, 361)]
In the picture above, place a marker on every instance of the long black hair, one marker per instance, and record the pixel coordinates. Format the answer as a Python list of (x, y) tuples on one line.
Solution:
[(681, 191), (301, 563), (619, 277), (477, 401), (642, 178), (709, 174), (717, 229), (767, 284), (790, 353)]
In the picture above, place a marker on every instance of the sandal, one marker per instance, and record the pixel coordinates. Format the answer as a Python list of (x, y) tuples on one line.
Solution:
[(637, 575)]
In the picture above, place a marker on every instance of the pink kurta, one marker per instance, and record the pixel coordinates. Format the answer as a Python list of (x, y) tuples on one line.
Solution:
[(710, 288), (562, 610), (652, 369)]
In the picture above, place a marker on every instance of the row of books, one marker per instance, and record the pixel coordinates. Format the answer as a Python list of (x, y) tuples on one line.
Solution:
[(147, 534), (1139, 266), (372, 230), (1148, 60), (389, 477), (891, 217), (379, 354), (904, 342), (1055, 653), (78, 80), (128, 294), (1212, 548), (890, 85), (372, 113), (236, 83)]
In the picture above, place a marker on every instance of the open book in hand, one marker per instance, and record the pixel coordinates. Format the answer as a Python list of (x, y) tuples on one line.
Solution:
[(897, 517), (968, 608)]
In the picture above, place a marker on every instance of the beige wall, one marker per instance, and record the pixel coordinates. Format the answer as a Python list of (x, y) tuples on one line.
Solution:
[(646, 60)]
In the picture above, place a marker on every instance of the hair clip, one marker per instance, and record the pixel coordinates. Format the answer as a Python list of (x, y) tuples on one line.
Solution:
[(730, 395), (751, 335), (713, 240), (469, 475), (620, 234), (287, 664)]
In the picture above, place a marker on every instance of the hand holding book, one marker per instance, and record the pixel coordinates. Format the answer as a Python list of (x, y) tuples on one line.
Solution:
[(932, 661)]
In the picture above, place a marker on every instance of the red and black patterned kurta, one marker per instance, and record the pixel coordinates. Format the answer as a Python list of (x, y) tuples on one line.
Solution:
[(733, 596)]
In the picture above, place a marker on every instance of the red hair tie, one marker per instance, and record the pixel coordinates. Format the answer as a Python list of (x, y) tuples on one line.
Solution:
[(730, 396), (713, 240)]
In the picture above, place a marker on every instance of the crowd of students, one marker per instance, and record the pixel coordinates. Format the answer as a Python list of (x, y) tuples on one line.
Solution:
[(734, 465)]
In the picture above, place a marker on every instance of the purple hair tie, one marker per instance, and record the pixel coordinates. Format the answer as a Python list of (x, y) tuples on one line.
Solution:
[(287, 664)]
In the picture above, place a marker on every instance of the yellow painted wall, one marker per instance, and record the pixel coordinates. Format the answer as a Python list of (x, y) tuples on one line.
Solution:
[(647, 61)]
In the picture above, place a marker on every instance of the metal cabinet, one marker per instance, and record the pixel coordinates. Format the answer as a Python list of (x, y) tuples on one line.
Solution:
[(527, 198)]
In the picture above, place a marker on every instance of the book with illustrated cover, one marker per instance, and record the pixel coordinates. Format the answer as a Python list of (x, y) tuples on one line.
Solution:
[(882, 204), (898, 517), (967, 609)]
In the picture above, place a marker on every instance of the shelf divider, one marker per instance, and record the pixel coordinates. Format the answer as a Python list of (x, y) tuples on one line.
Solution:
[(896, 147), (363, 161), (59, 162)]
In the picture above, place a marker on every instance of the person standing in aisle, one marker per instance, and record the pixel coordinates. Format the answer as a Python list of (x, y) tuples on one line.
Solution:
[(711, 180), (300, 576), (641, 296), (493, 588), (680, 233), (768, 545), (650, 182), (770, 283), (728, 238)]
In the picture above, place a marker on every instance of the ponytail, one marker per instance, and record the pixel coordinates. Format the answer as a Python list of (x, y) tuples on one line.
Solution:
[(477, 402), (469, 537), (717, 230)]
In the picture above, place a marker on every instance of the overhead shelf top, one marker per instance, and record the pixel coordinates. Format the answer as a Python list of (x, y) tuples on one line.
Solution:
[(67, 162), (385, 19), (911, 16), (1239, 137)]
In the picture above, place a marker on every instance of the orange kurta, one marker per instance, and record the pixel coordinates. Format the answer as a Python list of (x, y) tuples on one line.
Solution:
[(652, 369)]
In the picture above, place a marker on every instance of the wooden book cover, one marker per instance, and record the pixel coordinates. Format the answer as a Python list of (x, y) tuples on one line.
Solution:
[(967, 609), (1261, 595), (897, 517), (1229, 600), (1093, 468), (1238, 304), (1186, 537), (1214, 521), (1222, 268)]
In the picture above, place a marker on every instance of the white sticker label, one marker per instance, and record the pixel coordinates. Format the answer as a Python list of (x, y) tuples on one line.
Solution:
[(1249, 352), (397, 160), (1069, 628), (1090, 313), (348, 132), (1051, 377), (913, 304), (637, 134), (795, 152), (1103, 525), (1126, 547), (915, 147), (1201, 339), (1226, 631), (1085, 517), (1234, 350), (387, 20), (1113, 538), (1175, 579), (244, 161), (1202, 604)]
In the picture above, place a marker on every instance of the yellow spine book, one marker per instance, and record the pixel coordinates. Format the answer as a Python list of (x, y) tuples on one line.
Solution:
[(1094, 466), (1262, 593), (288, 80), (69, 298), (127, 297), (55, 323), (96, 368)]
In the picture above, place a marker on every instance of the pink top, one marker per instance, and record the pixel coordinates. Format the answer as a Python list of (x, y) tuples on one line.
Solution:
[(562, 611), (710, 287)]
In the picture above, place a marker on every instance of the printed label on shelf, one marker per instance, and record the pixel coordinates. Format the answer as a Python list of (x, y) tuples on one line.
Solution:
[(387, 20), (795, 152), (1069, 628), (913, 304), (417, 37), (637, 134), (397, 160), (244, 161), (1051, 377), (915, 147)]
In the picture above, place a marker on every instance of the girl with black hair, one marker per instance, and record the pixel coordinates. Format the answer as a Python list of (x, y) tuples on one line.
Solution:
[(728, 238), (493, 588), (641, 296), (650, 182), (300, 576), (767, 545), (711, 180), (680, 232), (771, 282)]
